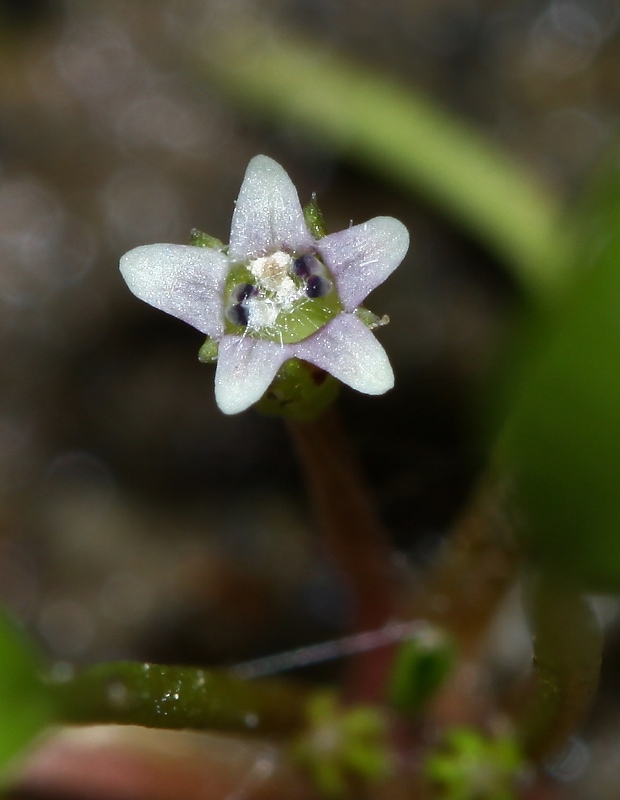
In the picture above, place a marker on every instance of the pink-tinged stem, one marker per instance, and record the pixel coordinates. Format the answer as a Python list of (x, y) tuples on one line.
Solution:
[(354, 537)]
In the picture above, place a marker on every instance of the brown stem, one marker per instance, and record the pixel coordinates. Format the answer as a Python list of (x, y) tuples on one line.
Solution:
[(354, 537)]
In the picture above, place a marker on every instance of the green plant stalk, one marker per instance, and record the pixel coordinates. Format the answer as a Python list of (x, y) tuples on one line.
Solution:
[(395, 132), (567, 657), (180, 697)]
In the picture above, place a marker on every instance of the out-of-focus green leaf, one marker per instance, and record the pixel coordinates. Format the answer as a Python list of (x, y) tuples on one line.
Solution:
[(400, 135), (563, 442), (25, 702), (420, 667)]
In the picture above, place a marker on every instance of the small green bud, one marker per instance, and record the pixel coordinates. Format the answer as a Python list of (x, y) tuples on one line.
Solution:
[(314, 218), (208, 352), (200, 239), (420, 667)]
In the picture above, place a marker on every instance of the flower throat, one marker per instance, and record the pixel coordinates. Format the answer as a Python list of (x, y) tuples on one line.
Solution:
[(280, 297)]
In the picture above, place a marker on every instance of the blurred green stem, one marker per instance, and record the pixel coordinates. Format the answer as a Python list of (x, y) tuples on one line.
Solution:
[(567, 660), (473, 571), (180, 697), (354, 538), (395, 132)]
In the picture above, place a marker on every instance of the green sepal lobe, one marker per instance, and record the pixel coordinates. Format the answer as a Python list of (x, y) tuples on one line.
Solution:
[(201, 239), (314, 218), (209, 351)]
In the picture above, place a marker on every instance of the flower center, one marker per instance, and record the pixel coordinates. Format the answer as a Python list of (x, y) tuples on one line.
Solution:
[(280, 297)]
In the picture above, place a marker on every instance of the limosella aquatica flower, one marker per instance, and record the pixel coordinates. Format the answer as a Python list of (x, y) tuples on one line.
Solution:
[(276, 292)]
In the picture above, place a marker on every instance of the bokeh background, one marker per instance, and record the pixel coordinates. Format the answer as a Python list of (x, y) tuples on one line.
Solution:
[(136, 520)]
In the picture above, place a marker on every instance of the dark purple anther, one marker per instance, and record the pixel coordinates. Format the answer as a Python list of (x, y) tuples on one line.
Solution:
[(238, 314), (317, 286), (303, 266), (242, 291)]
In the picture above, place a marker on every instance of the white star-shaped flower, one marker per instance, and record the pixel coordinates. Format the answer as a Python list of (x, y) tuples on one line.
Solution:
[(276, 292)]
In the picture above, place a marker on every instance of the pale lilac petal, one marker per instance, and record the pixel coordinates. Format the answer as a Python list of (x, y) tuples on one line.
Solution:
[(361, 257), (245, 368), (187, 282), (347, 349), (268, 215)]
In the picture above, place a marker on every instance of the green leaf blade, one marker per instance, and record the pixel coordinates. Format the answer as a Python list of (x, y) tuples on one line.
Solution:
[(26, 707), (563, 442)]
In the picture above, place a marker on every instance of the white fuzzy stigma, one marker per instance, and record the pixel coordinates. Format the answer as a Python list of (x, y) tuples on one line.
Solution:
[(277, 291)]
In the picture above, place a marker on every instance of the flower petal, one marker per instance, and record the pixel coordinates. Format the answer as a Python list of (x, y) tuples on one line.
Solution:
[(185, 281), (245, 368), (361, 257), (268, 214), (350, 352)]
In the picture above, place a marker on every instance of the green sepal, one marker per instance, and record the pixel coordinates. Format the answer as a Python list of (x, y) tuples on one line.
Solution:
[(300, 392), (201, 239), (314, 219), (209, 351), (419, 669), (371, 320)]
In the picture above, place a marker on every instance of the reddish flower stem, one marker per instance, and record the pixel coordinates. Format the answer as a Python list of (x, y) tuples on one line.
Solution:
[(354, 537)]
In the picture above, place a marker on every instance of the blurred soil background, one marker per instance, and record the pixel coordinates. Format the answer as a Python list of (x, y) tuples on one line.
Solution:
[(139, 522)]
